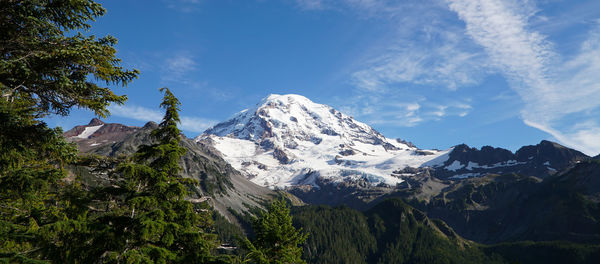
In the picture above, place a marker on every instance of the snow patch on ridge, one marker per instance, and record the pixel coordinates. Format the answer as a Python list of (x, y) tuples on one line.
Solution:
[(88, 131), (456, 165)]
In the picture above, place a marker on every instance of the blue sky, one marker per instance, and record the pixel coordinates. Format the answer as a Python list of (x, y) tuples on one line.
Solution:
[(438, 73)]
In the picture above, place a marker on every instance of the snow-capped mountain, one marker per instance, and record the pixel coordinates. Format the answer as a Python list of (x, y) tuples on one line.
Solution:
[(288, 140)]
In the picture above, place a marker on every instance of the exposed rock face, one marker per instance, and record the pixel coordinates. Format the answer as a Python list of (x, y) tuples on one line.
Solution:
[(552, 153), (95, 122), (224, 186), (281, 156), (359, 194), (408, 143)]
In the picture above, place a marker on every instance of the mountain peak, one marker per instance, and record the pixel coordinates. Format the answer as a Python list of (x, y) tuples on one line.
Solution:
[(288, 119), (95, 122), (286, 97)]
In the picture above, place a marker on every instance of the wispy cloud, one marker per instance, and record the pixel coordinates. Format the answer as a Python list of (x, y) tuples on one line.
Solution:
[(190, 124), (136, 112), (383, 110), (552, 87), (177, 67), (424, 62)]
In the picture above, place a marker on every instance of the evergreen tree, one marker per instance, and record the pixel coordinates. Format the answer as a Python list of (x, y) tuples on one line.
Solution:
[(47, 61), (151, 221), (33, 214), (277, 241), (45, 68)]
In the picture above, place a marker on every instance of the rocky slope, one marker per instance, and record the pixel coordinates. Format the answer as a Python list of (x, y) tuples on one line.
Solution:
[(224, 187)]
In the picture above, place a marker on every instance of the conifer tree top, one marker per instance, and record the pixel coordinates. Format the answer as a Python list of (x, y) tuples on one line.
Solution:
[(47, 61)]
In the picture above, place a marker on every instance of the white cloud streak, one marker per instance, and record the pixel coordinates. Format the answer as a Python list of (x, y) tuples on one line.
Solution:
[(551, 87), (377, 110), (421, 54), (190, 124)]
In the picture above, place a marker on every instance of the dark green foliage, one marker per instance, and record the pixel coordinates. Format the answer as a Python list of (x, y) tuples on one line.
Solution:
[(44, 69), (217, 184), (276, 240), (46, 61), (410, 237), (339, 235), (398, 233), (227, 233), (149, 219), (37, 207), (247, 218)]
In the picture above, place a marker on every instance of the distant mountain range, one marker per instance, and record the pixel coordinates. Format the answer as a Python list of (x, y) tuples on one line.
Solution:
[(324, 156)]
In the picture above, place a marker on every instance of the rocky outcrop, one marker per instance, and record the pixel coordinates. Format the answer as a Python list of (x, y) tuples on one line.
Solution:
[(550, 154), (486, 156), (281, 156)]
